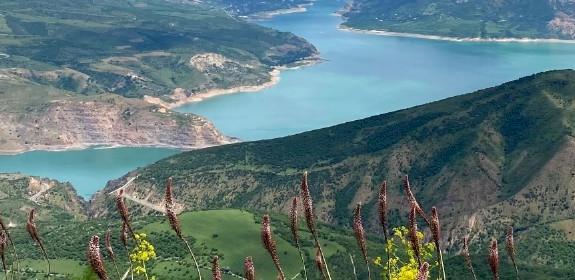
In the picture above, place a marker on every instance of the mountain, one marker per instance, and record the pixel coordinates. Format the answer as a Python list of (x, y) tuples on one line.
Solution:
[(65, 228), (466, 19), (256, 7), (488, 159), (76, 56)]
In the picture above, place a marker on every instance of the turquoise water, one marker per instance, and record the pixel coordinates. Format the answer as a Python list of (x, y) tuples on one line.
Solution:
[(363, 75), (88, 170)]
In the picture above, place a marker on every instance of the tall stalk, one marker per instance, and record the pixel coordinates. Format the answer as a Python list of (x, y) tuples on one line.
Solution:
[(310, 220), (382, 211), (175, 223)]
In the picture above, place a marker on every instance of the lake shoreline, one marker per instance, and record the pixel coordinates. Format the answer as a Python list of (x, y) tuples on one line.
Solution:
[(275, 78), (345, 28), (103, 146)]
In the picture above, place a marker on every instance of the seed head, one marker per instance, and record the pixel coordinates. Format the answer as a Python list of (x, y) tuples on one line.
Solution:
[(413, 239), (412, 200), (123, 211), (95, 258), (33, 231), (169, 204), (270, 245), (249, 269), (216, 271), (494, 259), (382, 207), (435, 226), (307, 204), (3, 246), (124, 235), (423, 272), (109, 248), (360, 232), (294, 223), (319, 260)]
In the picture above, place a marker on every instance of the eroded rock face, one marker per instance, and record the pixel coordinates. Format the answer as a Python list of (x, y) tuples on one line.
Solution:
[(103, 120)]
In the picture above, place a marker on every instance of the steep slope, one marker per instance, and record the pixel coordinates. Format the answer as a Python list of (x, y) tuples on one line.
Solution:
[(36, 117), (470, 19), (486, 160), (60, 62)]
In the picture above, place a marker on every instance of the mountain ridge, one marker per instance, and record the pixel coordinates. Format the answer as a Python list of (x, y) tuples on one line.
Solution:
[(476, 157)]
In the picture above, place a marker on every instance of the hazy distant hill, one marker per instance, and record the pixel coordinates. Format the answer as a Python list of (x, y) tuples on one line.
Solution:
[(495, 157), (467, 18)]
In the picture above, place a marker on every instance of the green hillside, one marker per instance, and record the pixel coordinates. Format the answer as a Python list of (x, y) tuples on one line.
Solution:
[(488, 159), (466, 19), (136, 48)]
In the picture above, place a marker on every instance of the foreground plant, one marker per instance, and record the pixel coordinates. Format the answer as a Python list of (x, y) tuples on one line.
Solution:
[(467, 256), (510, 246), (494, 259), (175, 223), (249, 269), (360, 236), (270, 245), (403, 264), (216, 271), (436, 234), (16, 261), (33, 232), (294, 227), (95, 258), (382, 211), (141, 254), (310, 220), (111, 253)]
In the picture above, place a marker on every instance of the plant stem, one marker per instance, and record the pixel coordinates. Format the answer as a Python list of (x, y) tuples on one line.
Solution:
[(145, 270), (194, 258), (440, 259), (302, 262), (388, 255), (353, 266), (317, 243), (116, 267)]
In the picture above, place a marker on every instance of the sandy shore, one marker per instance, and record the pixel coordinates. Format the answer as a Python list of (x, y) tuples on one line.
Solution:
[(101, 146), (302, 8), (453, 39), (179, 100)]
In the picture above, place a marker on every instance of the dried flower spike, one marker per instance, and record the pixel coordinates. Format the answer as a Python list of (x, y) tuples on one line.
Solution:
[(294, 223), (33, 232), (510, 246), (175, 223), (413, 239), (423, 272), (110, 250), (169, 204), (360, 236), (412, 200), (382, 208), (95, 258), (249, 269), (123, 211), (494, 259), (124, 235), (319, 263), (3, 246), (270, 245), (307, 204), (216, 271)]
